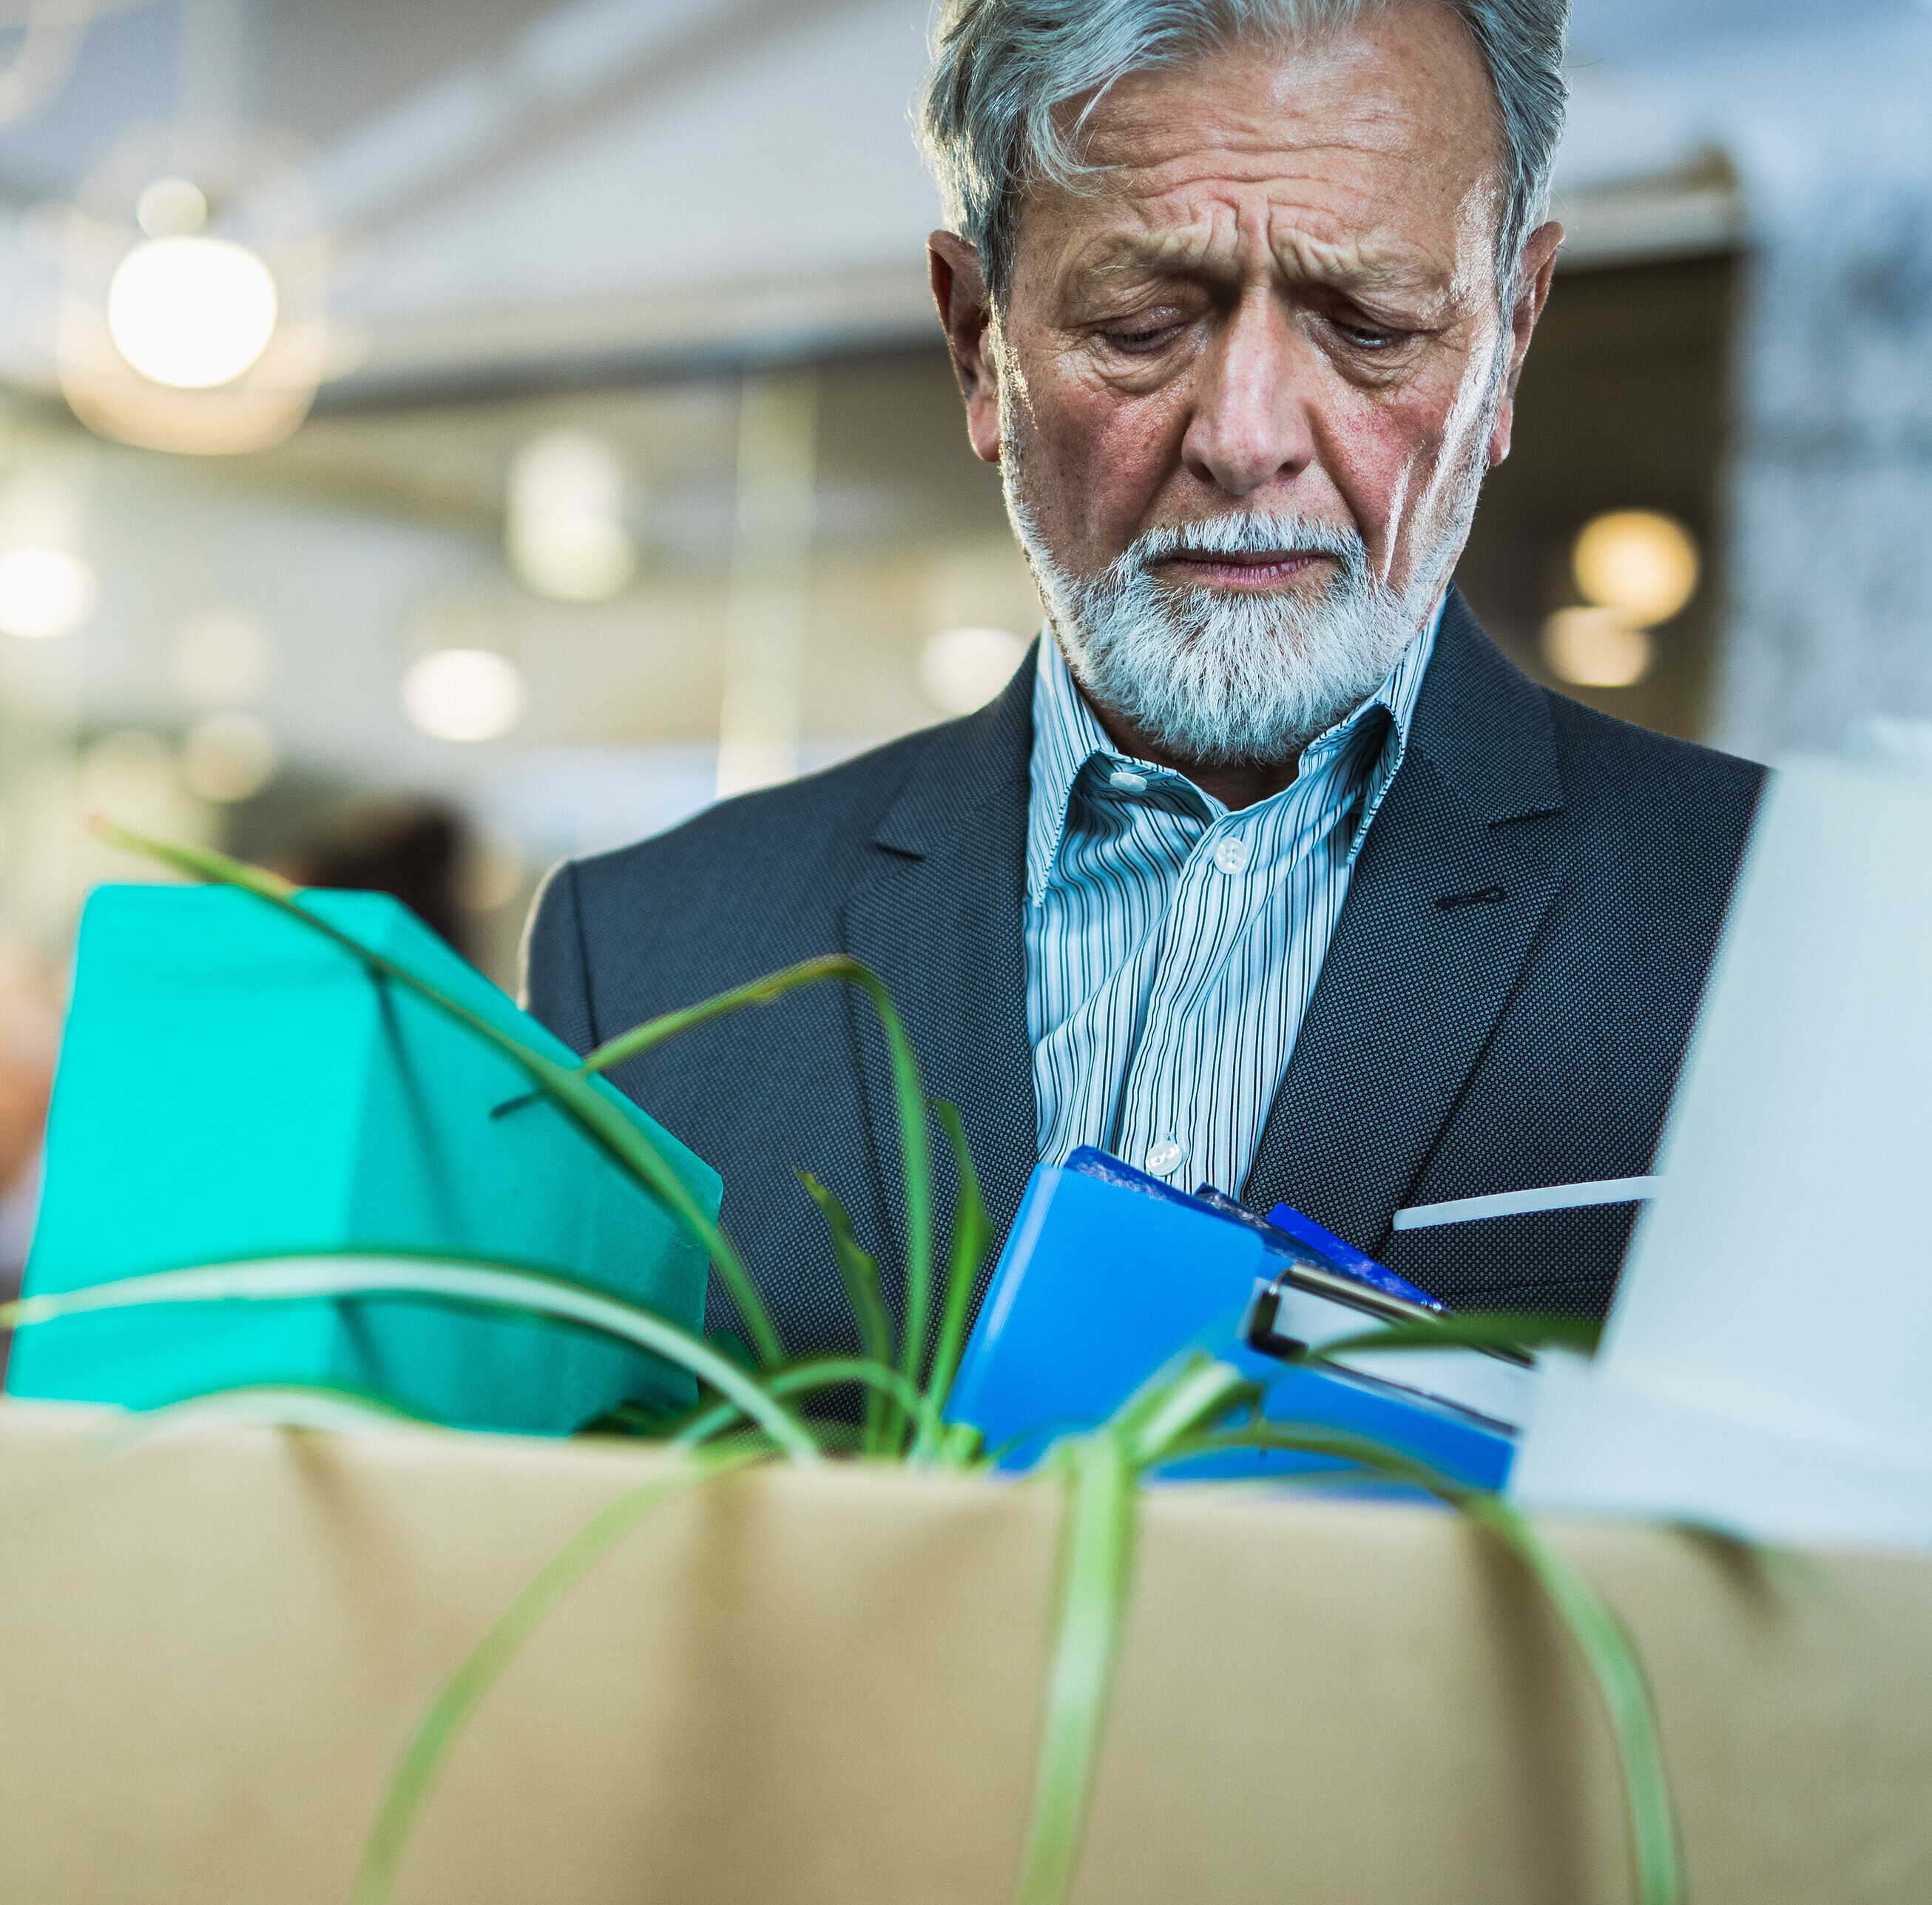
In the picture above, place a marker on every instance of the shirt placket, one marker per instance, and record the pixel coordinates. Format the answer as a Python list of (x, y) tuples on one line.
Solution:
[(1169, 1104), (1088, 1100)]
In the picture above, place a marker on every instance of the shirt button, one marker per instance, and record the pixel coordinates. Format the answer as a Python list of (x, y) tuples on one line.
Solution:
[(1166, 1158), (1231, 853), (1127, 781)]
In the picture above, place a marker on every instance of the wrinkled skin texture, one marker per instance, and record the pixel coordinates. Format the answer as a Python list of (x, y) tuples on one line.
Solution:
[(1279, 294)]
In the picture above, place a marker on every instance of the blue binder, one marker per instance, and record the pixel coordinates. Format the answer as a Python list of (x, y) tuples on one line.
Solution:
[(1107, 1274)]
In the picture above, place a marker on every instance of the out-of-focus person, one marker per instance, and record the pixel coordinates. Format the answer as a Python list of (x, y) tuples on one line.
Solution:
[(409, 847), (29, 1039)]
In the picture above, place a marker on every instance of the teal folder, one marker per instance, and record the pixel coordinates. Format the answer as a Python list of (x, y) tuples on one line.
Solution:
[(233, 1084)]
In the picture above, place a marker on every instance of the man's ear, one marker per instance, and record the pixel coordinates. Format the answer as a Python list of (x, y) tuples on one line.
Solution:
[(1533, 277), (959, 290)]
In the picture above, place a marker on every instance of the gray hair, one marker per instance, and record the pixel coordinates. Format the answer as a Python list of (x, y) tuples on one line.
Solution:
[(1002, 69)]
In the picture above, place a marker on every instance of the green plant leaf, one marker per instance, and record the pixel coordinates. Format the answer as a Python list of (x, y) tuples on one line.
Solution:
[(972, 1237), (860, 1276), (1499, 1329), (630, 1422), (569, 1086), (910, 1095), (805, 1377), (424, 1756), (1614, 1664), (1197, 1388), (318, 1406), (961, 1446), (1313, 1438), (1599, 1636), (728, 1342), (473, 1283), (1095, 1574)]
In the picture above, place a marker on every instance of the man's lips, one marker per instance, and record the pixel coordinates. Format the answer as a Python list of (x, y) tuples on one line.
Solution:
[(1268, 570)]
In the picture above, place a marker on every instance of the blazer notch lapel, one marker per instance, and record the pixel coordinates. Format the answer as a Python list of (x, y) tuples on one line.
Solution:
[(938, 917), (1445, 906)]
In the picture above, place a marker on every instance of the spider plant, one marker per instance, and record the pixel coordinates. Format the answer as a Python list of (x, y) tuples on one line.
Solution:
[(905, 1369)]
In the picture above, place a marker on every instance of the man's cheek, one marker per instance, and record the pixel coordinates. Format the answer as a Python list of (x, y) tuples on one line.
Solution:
[(1385, 457), (1115, 449), (1369, 463), (1129, 459)]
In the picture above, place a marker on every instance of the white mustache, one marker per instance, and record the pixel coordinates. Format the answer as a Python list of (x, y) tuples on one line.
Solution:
[(1248, 535)]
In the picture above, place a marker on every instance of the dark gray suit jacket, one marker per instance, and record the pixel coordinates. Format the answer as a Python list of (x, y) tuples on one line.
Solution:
[(1504, 1004)]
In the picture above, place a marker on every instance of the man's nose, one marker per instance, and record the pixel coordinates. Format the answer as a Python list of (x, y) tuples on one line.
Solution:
[(1250, 423)]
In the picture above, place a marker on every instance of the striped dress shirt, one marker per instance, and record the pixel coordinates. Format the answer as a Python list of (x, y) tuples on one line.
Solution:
[(1173, 946)]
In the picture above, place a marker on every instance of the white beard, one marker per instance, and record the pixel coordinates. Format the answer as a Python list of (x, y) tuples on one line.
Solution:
[(1220, 677)]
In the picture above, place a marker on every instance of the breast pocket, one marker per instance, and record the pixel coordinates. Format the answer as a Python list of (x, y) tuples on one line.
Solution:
[(1564, 1261)]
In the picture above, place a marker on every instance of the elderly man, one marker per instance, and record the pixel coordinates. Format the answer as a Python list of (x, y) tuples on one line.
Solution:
[(1268, 871)]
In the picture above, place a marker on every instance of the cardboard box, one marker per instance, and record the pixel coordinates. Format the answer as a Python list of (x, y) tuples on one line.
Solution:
[(233, 1084), (825, 1686)]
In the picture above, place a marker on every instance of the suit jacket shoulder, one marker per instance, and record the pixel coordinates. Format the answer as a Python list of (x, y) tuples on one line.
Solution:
[(1656, 791), (909, 858), (737, 890)]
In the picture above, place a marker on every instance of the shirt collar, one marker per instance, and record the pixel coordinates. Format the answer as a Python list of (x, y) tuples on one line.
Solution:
[(1066, 736)]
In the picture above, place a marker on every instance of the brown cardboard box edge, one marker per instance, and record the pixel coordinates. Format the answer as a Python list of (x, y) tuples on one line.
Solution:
[(826, 1686)]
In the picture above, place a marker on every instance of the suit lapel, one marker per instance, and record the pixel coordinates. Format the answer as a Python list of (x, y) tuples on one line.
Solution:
[(939, 917), (1461, 866), (1410, 991)]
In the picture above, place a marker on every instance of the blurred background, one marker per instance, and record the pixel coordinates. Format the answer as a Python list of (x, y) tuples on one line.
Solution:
[(436, 439)]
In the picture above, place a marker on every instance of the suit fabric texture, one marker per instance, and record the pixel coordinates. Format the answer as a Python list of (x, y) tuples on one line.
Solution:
[(1504, 1003)]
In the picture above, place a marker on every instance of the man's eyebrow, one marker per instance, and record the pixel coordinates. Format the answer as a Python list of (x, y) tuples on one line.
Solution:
[(1365, 267), (1186, 249)]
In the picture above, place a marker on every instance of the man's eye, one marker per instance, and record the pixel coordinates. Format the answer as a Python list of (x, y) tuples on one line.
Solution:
[(1144, 337), (1371, 337)]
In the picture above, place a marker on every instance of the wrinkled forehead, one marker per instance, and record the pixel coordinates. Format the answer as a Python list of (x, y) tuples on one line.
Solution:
[(1220, 243), (1375, 152)]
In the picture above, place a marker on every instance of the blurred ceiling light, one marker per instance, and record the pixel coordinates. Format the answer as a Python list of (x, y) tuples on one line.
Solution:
[(1596, 648), (221, 658), (962, 669), (463, 694), (45, 592), (565, 531), (229, 756), (194, 283), (1636, 561), (171, 207), (191, 313)]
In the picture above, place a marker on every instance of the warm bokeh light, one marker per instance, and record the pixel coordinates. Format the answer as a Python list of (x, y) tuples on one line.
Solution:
[(463, 694), (229, 756), (962, 669), (44, 592), (565, 530), (1596, 648), (1637, 562), (191, 313), (574, 559)]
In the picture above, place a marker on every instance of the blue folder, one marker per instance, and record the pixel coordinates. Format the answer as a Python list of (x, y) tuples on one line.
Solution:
[(1108, 1274)]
